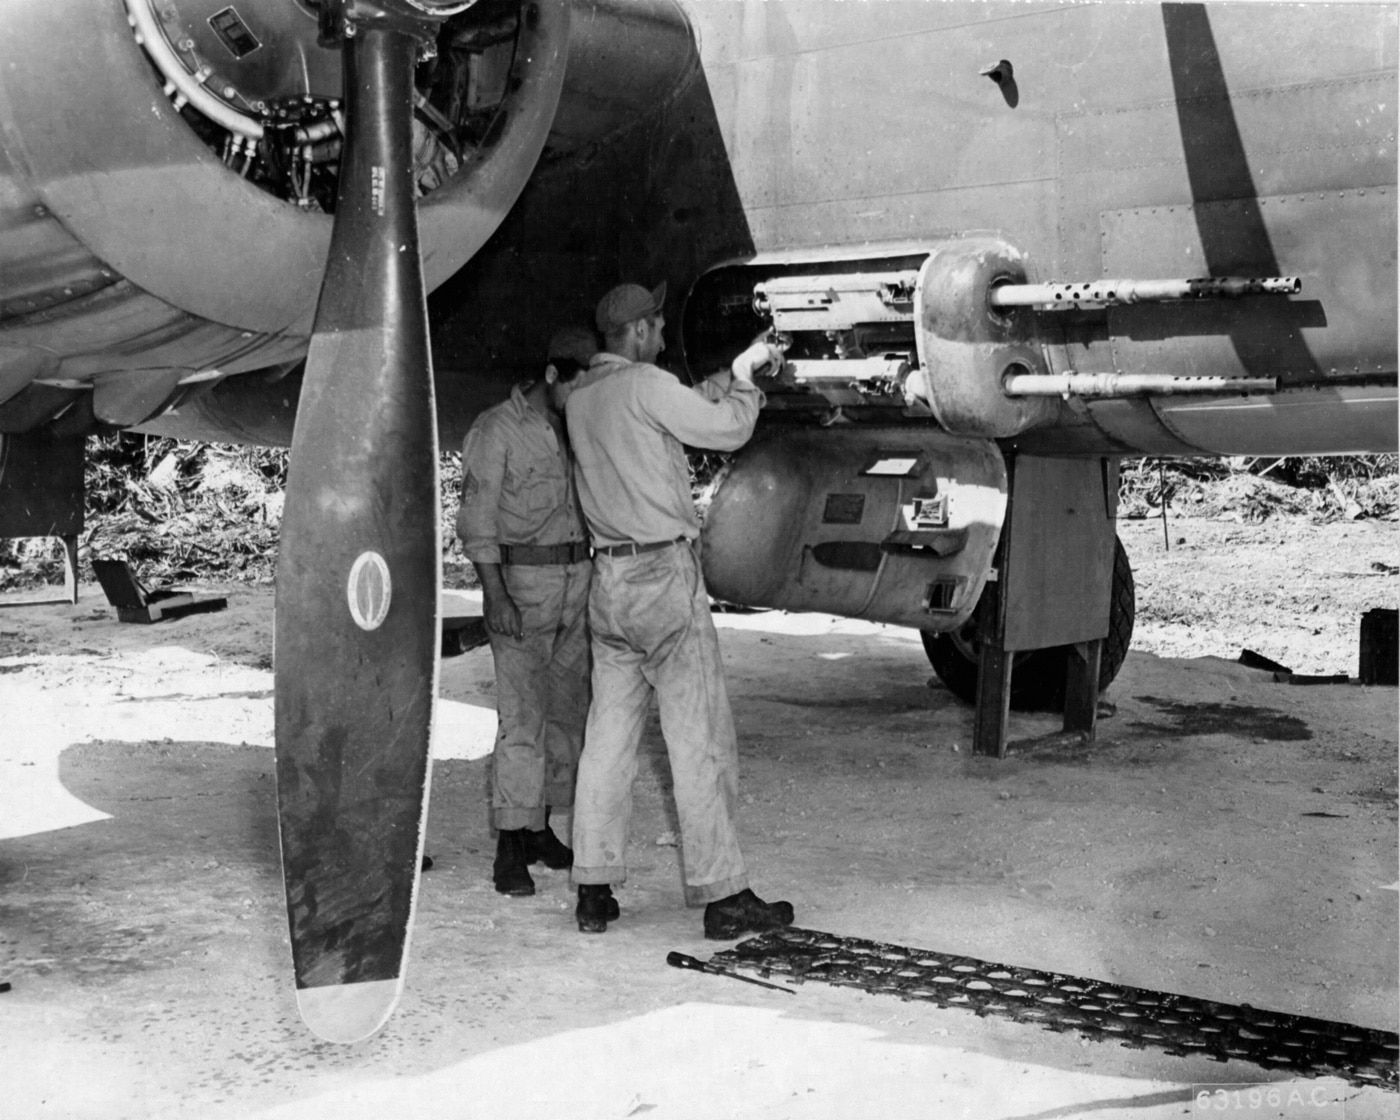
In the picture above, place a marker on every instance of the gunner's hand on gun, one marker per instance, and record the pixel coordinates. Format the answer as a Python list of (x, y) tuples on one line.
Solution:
[(763, 358)]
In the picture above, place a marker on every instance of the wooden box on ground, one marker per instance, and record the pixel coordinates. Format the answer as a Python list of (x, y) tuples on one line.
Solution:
[(135, 604)]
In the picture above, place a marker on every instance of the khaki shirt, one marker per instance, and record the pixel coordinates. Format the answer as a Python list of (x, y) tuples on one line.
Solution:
[(517, 485), (628, 422)]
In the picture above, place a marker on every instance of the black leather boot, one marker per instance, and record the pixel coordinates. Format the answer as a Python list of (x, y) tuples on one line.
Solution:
[(546, 848), (596, 906), (510, 871), (742, 913)]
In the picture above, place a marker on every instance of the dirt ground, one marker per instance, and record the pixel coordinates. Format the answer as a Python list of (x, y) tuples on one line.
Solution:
[(1228, 837)]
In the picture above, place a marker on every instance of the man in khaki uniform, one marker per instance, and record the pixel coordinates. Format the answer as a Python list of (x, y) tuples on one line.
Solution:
[(650, 615), (520, 526)]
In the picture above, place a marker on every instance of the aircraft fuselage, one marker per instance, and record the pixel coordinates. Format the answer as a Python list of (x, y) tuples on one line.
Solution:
[(1134, 141)]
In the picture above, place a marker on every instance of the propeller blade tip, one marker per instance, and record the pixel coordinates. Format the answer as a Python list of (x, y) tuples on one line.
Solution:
[(348, 1012)]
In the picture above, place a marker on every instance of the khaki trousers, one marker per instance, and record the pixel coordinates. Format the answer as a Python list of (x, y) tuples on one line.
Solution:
[(652, 633), (542, 693)]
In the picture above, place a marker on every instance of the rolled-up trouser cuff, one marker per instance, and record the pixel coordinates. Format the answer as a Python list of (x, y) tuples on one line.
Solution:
[(706, 893), (597, 876), (506, 820)]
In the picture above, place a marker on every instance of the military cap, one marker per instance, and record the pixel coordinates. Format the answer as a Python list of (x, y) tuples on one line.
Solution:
[(577, 343), (626, 304)]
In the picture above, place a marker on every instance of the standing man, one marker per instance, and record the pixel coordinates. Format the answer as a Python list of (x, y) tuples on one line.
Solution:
[(520, 526), (650, 614)]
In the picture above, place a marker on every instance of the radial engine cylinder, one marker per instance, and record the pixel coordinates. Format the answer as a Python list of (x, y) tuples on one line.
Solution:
[(891, 525)]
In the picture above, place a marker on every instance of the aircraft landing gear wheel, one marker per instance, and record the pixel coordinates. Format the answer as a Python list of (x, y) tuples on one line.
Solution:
[(1037, 676)]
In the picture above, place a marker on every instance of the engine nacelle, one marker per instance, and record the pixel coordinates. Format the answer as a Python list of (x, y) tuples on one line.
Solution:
[(892, 525), (196, 179)]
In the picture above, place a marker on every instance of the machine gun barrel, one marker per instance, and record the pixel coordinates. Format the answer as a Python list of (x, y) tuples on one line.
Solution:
[(1069, 295), (847, 370), (1109, 385)]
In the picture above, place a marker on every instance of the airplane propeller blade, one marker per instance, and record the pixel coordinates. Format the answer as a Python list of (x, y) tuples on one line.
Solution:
[(358, 574)]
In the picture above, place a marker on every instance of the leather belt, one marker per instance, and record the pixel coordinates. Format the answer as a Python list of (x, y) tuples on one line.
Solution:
[(575, 552), (631, 548)]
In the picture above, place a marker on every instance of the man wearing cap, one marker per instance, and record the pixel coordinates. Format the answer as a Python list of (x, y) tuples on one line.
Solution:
[(650, 615), (520, 526)]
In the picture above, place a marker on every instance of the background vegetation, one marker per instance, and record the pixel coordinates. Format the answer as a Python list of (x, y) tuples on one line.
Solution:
[(209, 512)]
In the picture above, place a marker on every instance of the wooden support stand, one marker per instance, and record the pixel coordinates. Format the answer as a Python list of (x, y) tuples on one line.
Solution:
[(41, 495), (995, 663), (1054, 578), (70, 567), (1082, 686), (69, 541)]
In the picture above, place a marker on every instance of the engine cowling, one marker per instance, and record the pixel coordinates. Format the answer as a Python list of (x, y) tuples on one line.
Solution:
[(170, 189)]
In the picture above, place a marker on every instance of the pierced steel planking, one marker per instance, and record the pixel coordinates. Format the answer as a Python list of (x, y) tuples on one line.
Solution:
[(1136, 1017)]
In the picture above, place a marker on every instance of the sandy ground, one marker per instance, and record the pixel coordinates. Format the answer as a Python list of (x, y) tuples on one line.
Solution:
[(1228, 837)]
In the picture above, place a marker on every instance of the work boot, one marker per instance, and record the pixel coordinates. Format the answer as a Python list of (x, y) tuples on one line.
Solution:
[(743, 913), (596, 908), (509, 871), (546, 848)]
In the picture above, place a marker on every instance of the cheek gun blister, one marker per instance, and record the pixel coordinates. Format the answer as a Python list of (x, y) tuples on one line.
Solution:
[(953, 330)]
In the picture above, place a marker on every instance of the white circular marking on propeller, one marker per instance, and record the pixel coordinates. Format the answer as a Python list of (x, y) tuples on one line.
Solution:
[(369, 590)]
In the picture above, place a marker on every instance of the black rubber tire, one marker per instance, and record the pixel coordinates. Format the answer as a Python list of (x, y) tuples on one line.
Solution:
[(1038, 676)]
